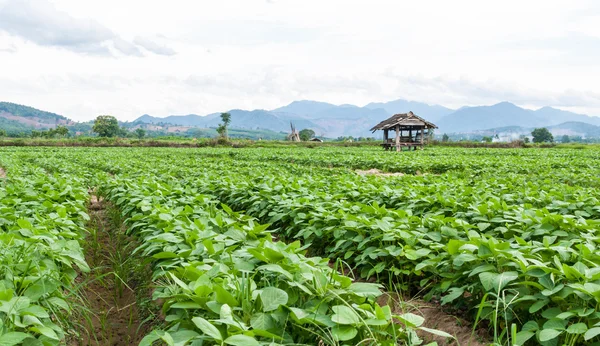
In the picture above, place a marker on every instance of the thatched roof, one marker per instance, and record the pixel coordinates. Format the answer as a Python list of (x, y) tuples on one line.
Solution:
[(403, 119)]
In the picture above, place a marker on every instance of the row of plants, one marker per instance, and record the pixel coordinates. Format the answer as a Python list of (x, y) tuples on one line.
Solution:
[(223, 280), (325, 222), (42, 220), (512, 238)]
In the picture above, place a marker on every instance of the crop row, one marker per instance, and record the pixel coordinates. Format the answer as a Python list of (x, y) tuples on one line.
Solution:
[(226, 281), (533, 254), (509, 234), (42, 220), (503, 261)]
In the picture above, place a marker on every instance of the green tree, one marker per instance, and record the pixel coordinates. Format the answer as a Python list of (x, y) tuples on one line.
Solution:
[(565, 139), (35, 133), (61, 131), (222, 129), (487, 139), (306, 134), (48, 133), (2, 133), (541, 135), (140, 133), (445, 138), (106, 126), (123, 132)]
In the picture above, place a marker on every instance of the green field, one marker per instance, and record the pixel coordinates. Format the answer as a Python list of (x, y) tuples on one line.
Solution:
[(297, 246)]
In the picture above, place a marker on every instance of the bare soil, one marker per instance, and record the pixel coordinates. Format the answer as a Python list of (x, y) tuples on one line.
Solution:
[(375, 171), (2, 173), (434, 314), (114, 317), (437, 318)]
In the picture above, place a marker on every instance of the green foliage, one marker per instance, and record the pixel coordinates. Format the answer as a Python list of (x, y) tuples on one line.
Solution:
[(61, 131), (487, 139), (106, 126), (445, 138), (30, 112), (306, 134), (542, 135), (41, 223), (565, 139), (222, 128), (244, 289), (506, 236), (140, 133)]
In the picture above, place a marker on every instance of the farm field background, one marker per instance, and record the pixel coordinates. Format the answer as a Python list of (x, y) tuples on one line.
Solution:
[(267, 246)]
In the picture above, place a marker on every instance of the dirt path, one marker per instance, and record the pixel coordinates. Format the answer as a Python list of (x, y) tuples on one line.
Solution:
[(376, 172), (436, 318), (114, 316)]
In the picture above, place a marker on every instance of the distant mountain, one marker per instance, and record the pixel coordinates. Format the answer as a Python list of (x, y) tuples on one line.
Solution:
[(432, 113), (575, 128), (184, 120), (304, 108), (329, 120), (569, 128), (554, 116), (506, 114), (324, 118), (240, 119), (19, 117), (486, 117)]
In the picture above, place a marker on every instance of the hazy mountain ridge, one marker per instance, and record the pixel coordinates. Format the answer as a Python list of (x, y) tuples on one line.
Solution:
[(569, 128), (433, 112), (332, 121), (16, 117), (324, 118), (505, 114)]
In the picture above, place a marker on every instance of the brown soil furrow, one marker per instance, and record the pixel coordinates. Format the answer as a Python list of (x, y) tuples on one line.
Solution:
[(114, 317)]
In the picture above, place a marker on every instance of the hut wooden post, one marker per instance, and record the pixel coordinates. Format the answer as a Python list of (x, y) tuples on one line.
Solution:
[(422, 135), (385, 135), (397, 137)]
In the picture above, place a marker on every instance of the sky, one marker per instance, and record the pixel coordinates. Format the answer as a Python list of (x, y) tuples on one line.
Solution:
[(83, 58)]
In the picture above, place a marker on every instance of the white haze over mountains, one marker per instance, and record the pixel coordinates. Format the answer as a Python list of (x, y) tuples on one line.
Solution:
[(127, 58)]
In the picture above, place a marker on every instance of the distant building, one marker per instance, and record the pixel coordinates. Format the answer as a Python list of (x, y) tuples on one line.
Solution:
[(404, 124)]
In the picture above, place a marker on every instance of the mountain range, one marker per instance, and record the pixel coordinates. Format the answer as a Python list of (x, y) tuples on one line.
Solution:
[(469, 119), (332, 121), (349, 120)]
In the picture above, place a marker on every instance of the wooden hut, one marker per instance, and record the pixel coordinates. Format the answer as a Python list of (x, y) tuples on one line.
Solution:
[(410, 129)]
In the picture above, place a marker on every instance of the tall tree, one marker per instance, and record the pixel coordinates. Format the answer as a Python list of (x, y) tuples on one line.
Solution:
[(222, 129), (565, 139), (445, 138), (106, 126), (541, 135), (306, 134)]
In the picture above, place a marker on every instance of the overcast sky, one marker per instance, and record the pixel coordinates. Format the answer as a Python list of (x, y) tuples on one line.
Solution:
[(82, 58)]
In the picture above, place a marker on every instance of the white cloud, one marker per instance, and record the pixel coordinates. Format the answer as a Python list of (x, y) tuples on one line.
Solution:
[(154, 45), (134, 57), (42, 23)]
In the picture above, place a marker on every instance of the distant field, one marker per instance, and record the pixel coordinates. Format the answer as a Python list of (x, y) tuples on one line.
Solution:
[(299, 245)]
